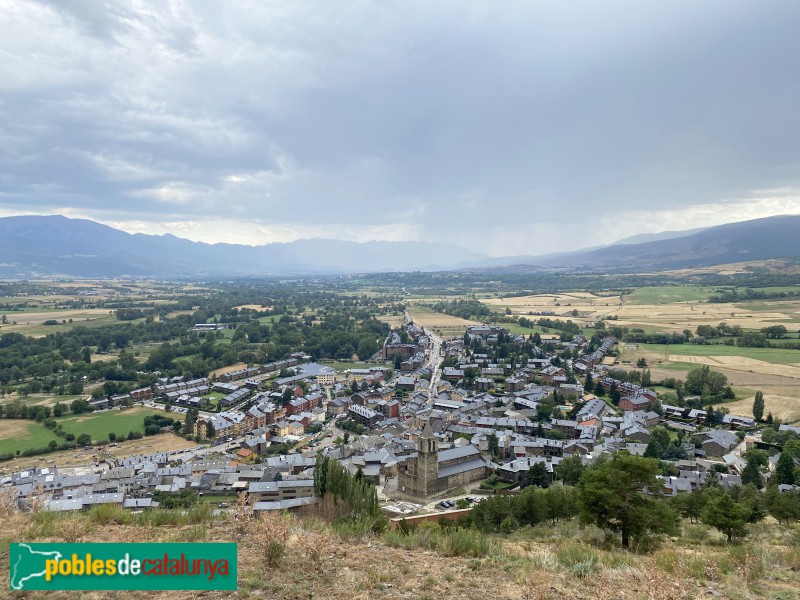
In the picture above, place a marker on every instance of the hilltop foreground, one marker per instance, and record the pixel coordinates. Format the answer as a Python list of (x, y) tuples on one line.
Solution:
[(323, 561)]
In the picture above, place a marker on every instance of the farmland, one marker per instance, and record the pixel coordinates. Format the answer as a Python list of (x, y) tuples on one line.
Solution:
[(441, 323), (99, 425), (19, 434)]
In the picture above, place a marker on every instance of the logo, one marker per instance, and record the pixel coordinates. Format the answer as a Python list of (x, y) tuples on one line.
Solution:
[(123, 566)]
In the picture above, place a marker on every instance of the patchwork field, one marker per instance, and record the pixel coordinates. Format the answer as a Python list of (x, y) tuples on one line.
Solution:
[(440, 323), (31, 322), (668, 308)]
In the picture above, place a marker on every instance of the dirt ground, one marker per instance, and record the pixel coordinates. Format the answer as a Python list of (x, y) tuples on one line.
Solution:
[(223, 370), (164, 442)]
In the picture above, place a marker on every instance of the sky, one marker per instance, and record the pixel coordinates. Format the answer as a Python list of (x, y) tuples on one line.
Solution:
[(509, 127)]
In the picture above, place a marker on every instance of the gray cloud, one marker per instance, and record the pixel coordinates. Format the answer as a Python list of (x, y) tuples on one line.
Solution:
[(525, 127)]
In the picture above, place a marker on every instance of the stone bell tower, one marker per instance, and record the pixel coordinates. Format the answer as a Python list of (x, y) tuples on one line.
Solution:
[(427, 463)]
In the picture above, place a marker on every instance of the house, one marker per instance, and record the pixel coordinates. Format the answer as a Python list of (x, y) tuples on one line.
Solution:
[(718, 442), (405, 382)]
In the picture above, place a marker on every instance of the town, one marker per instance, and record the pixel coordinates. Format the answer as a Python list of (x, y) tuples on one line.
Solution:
[(435, 424)]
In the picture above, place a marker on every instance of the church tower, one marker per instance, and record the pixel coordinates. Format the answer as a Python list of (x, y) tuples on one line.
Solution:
[(427, 462)]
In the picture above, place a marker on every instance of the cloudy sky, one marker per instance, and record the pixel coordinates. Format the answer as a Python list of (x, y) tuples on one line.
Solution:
[(515, 127)]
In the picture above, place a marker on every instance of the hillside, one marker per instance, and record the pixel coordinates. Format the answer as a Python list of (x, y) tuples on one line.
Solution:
[(759, 239), (545, 562)]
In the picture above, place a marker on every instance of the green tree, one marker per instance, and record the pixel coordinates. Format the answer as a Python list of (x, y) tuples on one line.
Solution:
[(784, 470), (611, 497), (752, 473), (726, 515), (84, 439), (569, 470), (758, 406), (59, 409), (538, 475), (494, 445), (690, 505), (588, 385)]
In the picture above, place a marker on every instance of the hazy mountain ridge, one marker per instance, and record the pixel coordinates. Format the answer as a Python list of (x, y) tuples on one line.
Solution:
[(56, 245)]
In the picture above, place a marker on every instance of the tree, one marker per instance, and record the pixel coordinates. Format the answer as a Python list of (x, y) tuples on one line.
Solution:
[(494, 444), (724, 514), (59, 409), (784, 470), (569, 470), (751, 472), (588, 386), (538, 475), (641, 363), (705, 382), (210, 431), (758, 406), (611, 496), (84, 439)]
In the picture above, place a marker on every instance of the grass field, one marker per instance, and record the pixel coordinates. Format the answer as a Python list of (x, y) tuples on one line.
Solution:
[(19, 434), (99, 425), (668, 294)]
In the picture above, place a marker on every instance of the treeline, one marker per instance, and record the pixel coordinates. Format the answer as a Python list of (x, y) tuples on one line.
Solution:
[(623, 494), (465, 309), (565, 326), (736, 295), (345, 495)]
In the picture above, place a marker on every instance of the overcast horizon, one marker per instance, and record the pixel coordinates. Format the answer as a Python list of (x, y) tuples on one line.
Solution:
[(514, 128)]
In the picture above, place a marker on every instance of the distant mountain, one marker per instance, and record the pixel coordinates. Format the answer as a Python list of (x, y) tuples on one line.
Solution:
[(643, 238), (56, 245), (759, 239)]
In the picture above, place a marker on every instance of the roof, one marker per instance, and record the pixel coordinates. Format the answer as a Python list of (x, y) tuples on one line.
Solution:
[(462, 467), (461, 452)]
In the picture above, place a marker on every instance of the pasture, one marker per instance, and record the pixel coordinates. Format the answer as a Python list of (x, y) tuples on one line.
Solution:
[(21, 434), (99, 425)]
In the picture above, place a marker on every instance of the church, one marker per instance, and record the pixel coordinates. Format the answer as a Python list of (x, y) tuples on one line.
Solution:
[(431, 472)]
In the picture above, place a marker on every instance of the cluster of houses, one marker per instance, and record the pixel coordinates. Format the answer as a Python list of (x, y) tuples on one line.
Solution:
[(420, 441)]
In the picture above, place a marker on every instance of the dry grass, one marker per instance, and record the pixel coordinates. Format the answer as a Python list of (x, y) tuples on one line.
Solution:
[(224, 370), (741, 363), (441, 323), (786, 408), (165, 442), (315, 563)]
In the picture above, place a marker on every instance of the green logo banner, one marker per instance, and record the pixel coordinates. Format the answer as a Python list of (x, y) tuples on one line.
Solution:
[(123, 566)]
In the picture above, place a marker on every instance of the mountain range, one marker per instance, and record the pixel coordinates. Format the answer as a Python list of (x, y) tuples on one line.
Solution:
[(55, 245)]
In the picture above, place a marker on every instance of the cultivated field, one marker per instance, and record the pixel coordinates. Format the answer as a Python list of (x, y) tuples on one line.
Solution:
[(786, 408), (445, 325), (656, 309)]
